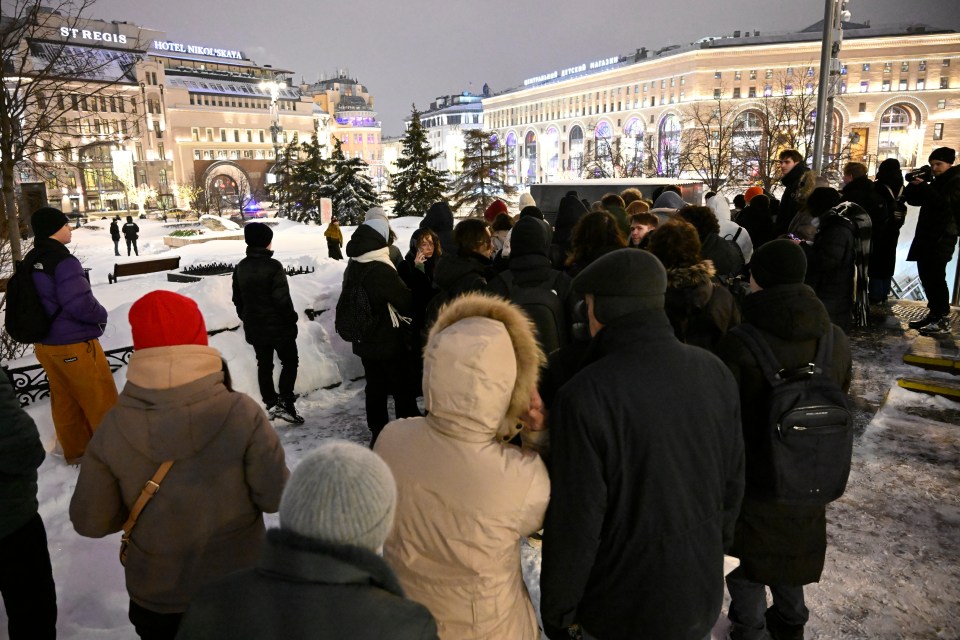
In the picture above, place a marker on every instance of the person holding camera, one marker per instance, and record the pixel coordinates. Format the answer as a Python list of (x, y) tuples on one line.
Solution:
[(937, 193)]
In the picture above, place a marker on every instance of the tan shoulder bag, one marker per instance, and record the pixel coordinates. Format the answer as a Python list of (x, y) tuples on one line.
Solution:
[(146, 494)]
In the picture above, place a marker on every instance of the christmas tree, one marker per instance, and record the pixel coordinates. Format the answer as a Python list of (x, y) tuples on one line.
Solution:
[(353, 192), (416, 185), (484, 173), (311, 181)]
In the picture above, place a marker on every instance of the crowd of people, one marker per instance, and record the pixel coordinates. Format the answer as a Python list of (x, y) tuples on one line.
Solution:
[(555, 364)]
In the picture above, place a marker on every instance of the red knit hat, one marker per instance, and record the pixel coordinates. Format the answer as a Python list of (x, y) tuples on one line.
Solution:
[(752, 191), (496, 208), (165, 319)]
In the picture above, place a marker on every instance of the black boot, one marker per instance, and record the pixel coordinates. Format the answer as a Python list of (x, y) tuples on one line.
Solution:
[(930, 318), (780, 630)]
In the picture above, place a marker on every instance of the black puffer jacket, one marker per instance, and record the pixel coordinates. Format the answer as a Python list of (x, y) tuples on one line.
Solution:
[(646, 487), (883, 258), (937, 226), (304, 589), (701, 311), (789, 201), (831, 265), (21, 452), (777, 544), (262, 298), (383, 285)]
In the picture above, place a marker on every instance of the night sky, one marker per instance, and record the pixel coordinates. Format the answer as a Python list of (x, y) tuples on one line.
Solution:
[(408, 51)]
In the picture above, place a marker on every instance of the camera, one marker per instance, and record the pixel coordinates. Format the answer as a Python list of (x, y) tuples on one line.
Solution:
[(923, 173)]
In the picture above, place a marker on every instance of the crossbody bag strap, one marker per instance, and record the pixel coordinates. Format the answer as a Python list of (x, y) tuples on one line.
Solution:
[(146, 494)]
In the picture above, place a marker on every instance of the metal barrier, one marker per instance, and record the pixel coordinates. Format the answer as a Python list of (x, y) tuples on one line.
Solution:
[(31, 385)]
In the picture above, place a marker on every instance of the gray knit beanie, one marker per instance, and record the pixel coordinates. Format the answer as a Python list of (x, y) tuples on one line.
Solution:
[(340, 493)]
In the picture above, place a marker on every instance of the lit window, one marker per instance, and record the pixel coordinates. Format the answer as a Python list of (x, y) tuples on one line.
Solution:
[(938, 131)]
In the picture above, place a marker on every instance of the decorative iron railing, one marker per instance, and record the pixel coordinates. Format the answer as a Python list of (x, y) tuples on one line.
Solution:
[(31, 385)]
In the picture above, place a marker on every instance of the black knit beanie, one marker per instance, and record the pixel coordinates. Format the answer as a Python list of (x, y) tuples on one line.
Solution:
[(943, 154), (258, 235), (46, 221), (778, 262)]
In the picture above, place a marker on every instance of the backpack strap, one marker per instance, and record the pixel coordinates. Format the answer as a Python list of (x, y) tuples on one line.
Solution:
[(761, 351)]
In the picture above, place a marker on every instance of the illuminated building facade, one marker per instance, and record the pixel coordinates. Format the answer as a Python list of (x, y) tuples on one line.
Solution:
[(353, 120), (899, 97), (444, 123)]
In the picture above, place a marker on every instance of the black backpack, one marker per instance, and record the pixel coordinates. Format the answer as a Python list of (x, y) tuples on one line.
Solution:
[(544, 307), (25, 318), (354, 318), (809, 443)]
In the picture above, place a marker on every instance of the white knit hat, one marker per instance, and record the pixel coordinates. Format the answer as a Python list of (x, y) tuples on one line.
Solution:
[(526, 200), (340, 493)]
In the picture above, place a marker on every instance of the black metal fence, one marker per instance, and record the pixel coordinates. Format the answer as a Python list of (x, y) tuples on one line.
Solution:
[(31, 385)]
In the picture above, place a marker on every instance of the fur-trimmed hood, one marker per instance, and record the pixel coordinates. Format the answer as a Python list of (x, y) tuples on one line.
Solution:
[(695, 282), (481, 365)]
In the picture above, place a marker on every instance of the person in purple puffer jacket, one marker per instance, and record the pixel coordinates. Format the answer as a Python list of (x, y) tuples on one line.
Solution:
[(82, 388)]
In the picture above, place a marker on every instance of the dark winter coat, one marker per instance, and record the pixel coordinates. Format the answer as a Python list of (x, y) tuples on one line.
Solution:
[(457, 274), (779, 544), (569, 212), (114, 230), (131, 231), (831, 262), (789, 200), (861, 191), (62, 284), (937, 226), (21, 452), (439, 219), (646, 487), (419, 279), (701, 310), (725, 254), (883, 259), (262, 298), (304, 588), (759, 224), (383, 285)]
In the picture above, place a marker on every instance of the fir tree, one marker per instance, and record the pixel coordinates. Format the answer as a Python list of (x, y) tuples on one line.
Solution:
[(311, 181), (283, 190), (416, 185), (484, 173), (353, 192)]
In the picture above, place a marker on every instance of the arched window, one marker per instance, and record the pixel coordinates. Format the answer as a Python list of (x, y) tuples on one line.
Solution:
[(530, 157), (513, 158), (896, 141), (576, 150), (633, 147), (668, 148), (747, 145), (551, 148)]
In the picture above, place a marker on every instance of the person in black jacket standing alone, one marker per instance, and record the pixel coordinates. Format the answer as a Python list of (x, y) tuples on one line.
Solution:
[(936, 235), (115, 234), (792, 169), (780, 546), (646, 486), (130, 233), (262, 298)]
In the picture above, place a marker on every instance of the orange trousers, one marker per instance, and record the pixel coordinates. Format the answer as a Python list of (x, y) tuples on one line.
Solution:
[(82, 390)]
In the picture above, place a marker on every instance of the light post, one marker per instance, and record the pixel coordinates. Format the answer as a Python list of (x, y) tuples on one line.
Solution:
[(273, 87), (835, 13)]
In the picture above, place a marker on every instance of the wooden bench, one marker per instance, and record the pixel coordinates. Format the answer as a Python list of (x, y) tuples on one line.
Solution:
[(143, 266)]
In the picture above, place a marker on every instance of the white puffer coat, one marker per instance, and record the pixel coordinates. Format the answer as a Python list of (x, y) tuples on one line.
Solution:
[(465, 498)]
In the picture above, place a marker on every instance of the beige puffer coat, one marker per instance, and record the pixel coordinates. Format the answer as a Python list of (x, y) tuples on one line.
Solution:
[(465, 498), (207, 518)]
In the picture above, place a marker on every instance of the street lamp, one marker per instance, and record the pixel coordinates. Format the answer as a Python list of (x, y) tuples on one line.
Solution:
[(273, 87)]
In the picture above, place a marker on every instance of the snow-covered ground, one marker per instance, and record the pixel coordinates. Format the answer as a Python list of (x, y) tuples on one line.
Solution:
[(893, 565)]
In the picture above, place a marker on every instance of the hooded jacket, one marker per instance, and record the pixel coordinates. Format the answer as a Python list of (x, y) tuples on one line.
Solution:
[(439, 219), (646, 486), (667, 205), (779, 544), (465, 499), (383, 285), (261, 296), (62, 284), (700, 310), (304, 588), (730, 230), (207, 519)]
